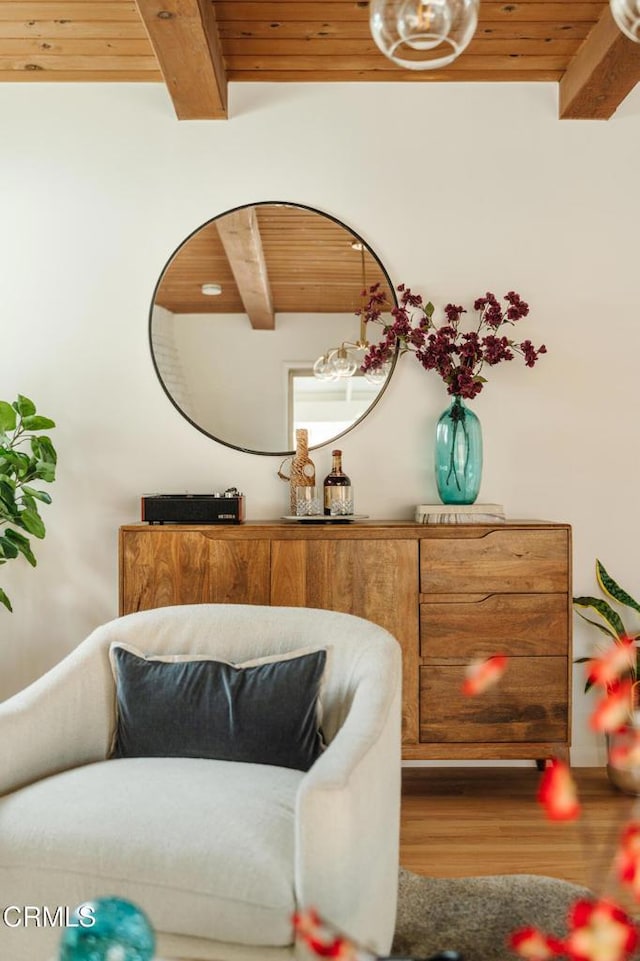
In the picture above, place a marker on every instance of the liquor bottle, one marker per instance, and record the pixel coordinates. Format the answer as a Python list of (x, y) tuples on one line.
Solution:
[(338, 497)]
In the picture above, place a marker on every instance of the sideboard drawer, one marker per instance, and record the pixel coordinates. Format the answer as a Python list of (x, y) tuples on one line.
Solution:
[(479, 626), (516, 560), (529, 703)]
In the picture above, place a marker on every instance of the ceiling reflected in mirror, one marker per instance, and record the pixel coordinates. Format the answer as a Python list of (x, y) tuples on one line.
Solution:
[(241, 312)]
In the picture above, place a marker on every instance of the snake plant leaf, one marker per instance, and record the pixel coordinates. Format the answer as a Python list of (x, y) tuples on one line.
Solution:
[(601, 627), (7, 416), (613, 590), (5, 600), (604, 610)]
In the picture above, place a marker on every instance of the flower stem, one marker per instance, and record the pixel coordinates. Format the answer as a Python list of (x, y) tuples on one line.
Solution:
[(458, 418)]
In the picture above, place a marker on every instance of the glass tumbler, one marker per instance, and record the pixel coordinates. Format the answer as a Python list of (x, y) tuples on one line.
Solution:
[(341, 501), (307, 501)]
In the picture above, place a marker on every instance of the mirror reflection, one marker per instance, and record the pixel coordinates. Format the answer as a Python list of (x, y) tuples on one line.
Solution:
[(240, 315)]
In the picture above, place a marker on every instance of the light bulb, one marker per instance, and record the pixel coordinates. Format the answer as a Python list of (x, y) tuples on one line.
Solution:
[(343, 363), (423, 34), (626, 14), (423, 25)]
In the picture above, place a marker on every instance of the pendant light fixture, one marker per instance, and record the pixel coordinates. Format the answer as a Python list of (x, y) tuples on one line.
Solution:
[(423, 34), (626, 14), (344, 361)]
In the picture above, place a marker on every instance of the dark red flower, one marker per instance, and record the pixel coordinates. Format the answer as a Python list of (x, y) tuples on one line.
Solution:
[(456, 355)]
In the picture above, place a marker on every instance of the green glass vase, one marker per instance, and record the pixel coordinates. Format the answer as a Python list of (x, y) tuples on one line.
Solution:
[(458, 456)]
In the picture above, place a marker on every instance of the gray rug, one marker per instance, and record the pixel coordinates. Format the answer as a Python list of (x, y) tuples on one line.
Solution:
[(475, 915)]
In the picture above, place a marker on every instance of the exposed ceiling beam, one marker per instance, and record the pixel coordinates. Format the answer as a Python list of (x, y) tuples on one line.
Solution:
[(185, 39), (605, 69), (240, 236)]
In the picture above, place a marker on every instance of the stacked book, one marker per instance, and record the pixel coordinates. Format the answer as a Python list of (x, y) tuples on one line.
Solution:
[(460, 514)]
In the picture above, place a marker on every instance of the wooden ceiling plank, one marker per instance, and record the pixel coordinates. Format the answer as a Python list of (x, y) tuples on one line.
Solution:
[(26, 74), (74, 47), (41, 64), (240, 236), (246, 11), (185, 38), (294, 30), (400, 76), (603, 72), (69, 29), (379, 64), (70, 10), (355, 49)]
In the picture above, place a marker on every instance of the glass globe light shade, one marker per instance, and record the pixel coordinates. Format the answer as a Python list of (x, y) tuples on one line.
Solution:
[(379, 375), (423, 34), (343, 364), (626, 14), (322, 370)]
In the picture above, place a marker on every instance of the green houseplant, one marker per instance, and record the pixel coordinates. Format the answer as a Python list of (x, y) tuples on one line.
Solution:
[(616, 671), (610, 620), (26, 456)]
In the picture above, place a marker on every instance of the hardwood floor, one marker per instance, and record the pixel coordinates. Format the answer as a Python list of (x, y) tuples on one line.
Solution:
[(472, 821)]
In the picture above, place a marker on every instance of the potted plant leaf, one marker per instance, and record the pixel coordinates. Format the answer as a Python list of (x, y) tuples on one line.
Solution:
[(620, 676), (26, 457)]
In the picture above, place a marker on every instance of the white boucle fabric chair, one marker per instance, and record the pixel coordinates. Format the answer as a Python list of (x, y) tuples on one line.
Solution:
[(218, 853)]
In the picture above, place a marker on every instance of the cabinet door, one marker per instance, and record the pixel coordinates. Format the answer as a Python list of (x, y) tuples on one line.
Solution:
[(160, 568), (374, 579)]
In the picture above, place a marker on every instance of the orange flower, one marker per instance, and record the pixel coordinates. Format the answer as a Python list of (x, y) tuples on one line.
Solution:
[(600, 931), (618, 660), (557, 792), (627, 860), (612, 712), (533, 945), (481, 675), (323, 941)]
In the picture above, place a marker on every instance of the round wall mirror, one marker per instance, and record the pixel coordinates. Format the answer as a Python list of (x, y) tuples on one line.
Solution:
[(242, 311)]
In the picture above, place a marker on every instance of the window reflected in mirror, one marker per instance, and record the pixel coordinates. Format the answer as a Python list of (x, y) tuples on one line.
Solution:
[(327, 408)]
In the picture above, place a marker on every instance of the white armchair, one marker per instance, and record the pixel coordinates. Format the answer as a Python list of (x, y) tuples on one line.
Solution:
[(219, 854)]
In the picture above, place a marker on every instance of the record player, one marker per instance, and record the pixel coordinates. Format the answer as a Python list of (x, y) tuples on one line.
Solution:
[(226, 507)]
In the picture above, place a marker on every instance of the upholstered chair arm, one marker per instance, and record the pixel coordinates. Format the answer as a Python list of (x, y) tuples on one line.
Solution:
[(60, 721), (348, 816)]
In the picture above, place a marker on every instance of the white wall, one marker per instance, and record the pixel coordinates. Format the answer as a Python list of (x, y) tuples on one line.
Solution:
[(460, 189)]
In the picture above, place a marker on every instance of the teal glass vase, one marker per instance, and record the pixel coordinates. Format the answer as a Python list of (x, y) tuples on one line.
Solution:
[(106, 929), (458, 457)]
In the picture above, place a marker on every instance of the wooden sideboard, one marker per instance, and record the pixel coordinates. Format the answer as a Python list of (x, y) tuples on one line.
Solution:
[(449, 594)]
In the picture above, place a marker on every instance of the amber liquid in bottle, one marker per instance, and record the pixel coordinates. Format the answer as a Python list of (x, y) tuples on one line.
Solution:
[(337, 487)]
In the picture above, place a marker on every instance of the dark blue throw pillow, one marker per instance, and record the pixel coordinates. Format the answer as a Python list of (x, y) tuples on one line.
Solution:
[(263, 713)]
